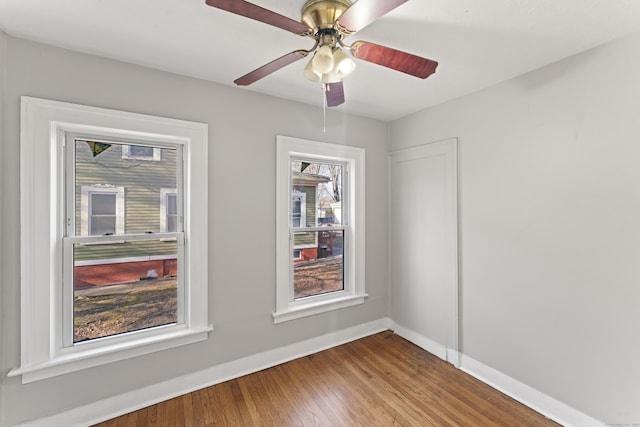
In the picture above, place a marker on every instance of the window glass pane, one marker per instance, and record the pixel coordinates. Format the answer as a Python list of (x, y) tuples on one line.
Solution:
[(103, 225), (112, 297), (102, 209), (318, 186), (129, 189), (319, 269), (296, 214), (103, 204), (172, 213), (140, 151), (172, 207)]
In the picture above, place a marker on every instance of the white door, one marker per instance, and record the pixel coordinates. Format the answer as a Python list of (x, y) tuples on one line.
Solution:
[(423, 246)]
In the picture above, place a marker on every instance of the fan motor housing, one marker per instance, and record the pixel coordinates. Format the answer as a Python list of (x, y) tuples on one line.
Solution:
[(322, 14)]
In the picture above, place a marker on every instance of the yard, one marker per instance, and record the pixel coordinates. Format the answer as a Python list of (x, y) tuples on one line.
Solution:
[(107, 310), (114, 309), (318, 277)]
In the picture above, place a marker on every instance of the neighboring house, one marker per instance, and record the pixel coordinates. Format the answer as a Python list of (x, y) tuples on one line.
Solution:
[(124, 189), (305, 211)]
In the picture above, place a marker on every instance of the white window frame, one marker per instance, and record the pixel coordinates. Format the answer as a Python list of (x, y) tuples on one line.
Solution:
[(85, 196), (164, 193), (288, 148), (44, 126), (126, 154)]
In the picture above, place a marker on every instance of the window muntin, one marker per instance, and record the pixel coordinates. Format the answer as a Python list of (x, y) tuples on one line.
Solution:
[(124, 286), (333, 230)]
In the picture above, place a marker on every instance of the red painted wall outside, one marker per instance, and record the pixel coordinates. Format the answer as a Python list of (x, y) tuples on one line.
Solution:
[(107, 274)]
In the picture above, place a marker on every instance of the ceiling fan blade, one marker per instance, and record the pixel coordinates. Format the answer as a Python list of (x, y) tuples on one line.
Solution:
[(250, 10), (364, 12), (271, 67), (394, 59), (335, 94)]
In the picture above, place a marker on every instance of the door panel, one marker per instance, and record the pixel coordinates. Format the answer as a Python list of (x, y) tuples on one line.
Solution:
[(424, 288)]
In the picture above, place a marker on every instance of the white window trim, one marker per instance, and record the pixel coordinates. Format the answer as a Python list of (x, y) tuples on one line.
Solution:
[(85, 191), (126, 154), (44, 124), (164, 192), (354, 262)]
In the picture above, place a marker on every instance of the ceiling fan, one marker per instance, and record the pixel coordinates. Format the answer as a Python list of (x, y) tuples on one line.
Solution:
[(328, 23)]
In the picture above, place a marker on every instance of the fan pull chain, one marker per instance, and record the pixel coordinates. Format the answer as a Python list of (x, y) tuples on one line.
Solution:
[(324, 107)]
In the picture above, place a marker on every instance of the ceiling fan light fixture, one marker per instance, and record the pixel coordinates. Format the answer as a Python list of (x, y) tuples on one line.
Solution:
[(344, 65), (310, 73), (322, 61), (328, 22), (331, 77)]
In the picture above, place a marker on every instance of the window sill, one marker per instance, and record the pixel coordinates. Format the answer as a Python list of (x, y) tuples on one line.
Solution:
[(78, 360), (317, 307)]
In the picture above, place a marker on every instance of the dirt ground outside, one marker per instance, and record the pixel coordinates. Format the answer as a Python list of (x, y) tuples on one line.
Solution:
[(115, 309), (102, 311), (318, 277)]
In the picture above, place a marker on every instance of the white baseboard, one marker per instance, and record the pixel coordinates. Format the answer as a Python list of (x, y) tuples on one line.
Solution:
[(528, 396), (112, 407), (534, 399), (97, 412), (421, 341)]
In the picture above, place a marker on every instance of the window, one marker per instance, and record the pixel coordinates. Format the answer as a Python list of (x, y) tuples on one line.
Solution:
[(139, 152), (102, 210), (102, 213), (93, 218), (146, 265), (320, 227), (168, 210), (299, 209)]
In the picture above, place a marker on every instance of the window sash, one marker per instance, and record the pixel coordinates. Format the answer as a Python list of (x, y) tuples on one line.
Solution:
[(70, 169), (64, 331), (347, 285)]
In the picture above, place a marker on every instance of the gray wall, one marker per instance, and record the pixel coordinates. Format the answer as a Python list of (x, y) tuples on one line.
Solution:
[(242, 131), (550, 226), (549, 210), (2, 139)]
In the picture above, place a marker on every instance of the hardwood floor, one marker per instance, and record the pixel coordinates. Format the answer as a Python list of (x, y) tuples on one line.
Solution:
[(381, 380)]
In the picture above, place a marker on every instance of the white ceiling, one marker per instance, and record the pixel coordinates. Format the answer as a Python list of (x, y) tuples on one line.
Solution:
[(477, 43)]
